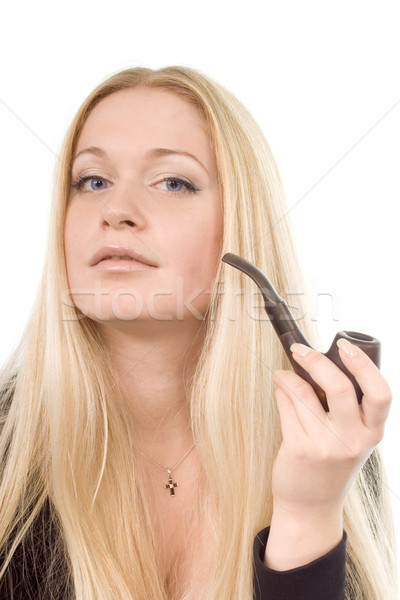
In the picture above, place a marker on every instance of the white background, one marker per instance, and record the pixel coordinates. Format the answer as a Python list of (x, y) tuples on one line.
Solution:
[(321, 78)]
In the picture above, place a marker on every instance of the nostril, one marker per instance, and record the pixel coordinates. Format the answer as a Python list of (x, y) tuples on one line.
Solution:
[(130, 223)]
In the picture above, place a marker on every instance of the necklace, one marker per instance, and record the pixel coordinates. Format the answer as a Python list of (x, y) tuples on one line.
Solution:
[(171, 485)]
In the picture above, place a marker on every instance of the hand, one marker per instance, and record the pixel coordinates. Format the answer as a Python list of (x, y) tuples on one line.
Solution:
[(322, 452)]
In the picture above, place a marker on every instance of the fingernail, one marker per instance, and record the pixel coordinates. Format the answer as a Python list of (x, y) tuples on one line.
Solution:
[(300, 349), (349, 349)]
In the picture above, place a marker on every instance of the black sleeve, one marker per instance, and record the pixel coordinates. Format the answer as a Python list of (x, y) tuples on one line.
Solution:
[(322, 579)]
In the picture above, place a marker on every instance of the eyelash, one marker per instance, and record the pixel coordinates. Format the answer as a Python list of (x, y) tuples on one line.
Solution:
[(190, 188)]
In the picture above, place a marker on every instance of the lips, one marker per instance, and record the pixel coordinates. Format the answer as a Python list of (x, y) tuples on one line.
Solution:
[(119, 253)]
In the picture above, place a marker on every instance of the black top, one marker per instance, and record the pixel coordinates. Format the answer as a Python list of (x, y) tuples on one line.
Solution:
[(322, 579), (44, 575), (39, 568)]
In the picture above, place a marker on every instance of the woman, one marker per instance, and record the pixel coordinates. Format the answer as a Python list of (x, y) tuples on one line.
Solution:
[(144, 448)]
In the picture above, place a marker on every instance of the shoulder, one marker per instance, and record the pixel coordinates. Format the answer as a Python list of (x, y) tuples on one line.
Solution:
[(39, 567)]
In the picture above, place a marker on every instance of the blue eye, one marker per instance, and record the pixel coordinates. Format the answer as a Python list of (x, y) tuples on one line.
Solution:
[(96, 183), (176, 185), (173, 185)]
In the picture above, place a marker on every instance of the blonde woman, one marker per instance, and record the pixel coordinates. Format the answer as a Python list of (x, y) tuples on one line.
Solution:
[(155, 442)]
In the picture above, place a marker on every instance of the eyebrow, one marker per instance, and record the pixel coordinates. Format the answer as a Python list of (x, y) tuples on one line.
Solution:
[(153, 154)]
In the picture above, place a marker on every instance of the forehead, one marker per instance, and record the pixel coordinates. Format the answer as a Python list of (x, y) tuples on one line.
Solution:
[(146, 117)]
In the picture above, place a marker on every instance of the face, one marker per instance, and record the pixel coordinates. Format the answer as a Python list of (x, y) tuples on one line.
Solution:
[(144, 220)]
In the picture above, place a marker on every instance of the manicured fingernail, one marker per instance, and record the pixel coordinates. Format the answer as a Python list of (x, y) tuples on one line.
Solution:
[(349, 349), (300, 349)]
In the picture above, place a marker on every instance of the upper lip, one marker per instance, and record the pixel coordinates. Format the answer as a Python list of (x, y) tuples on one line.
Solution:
[(116, 250)]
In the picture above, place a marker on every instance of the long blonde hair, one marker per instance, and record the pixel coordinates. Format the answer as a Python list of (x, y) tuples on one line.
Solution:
[(64, 437)]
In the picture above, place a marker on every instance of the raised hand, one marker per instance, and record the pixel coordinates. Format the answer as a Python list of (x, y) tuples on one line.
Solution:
[(321, 452)]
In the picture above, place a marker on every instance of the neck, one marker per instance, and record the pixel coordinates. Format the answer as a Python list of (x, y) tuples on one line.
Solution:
[(154, 371)]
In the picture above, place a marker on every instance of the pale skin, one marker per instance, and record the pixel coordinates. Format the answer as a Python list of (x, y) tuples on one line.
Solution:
[(154, 350), (181, 232), (321, 452)]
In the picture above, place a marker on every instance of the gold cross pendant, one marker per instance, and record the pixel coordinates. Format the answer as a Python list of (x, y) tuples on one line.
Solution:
[(171, 485)]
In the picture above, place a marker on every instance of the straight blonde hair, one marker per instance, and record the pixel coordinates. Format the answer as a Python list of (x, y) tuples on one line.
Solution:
[(65, 439)]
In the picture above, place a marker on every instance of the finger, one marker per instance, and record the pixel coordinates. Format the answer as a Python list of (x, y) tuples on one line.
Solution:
[(305, 402), (340, 393), (377, 394), (291, 427)]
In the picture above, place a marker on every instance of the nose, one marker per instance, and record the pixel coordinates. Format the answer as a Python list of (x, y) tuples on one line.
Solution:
[(116, 219), (121, 209)]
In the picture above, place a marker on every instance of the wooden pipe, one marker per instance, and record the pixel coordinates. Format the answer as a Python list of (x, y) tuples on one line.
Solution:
[(289, 333)]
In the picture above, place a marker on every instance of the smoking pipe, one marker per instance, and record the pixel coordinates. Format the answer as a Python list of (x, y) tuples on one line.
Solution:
[(289, 333)]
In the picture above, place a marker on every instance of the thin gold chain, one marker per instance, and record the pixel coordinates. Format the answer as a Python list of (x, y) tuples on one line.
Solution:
[(170, 468)]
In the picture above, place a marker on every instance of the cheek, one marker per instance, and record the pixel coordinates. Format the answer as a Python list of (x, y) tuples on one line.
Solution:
[(73, 240), (195, 249)]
